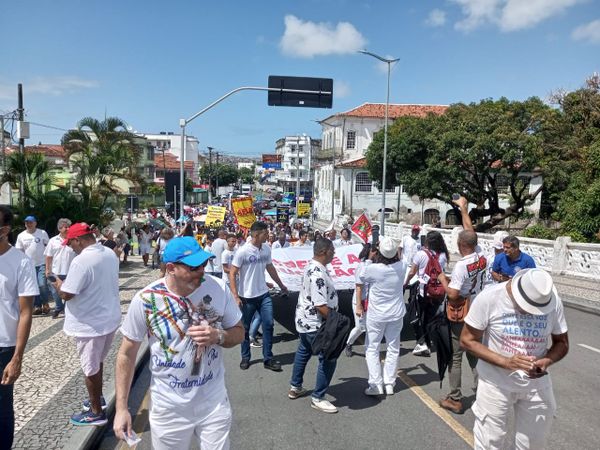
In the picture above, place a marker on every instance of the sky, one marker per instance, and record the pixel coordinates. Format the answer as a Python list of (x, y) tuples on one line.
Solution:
[(152, 62)]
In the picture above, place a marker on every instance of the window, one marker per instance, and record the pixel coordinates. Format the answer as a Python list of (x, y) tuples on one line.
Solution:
[(292, 160), (292, 148), (363, 182), (300, 161), (351, 140), (292, 173)]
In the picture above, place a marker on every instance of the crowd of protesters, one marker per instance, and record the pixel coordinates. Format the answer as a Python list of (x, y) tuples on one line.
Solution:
[(212, 294)]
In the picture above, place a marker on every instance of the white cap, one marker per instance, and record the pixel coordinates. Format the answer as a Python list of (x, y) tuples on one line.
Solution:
[(387, 247)]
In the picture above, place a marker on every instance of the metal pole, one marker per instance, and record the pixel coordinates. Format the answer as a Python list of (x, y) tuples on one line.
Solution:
[(298, 179), (21, 113), (210, 175), (2, 142), (387, 105), (333, 172), (175, 202), (217, 176), (181, 168)]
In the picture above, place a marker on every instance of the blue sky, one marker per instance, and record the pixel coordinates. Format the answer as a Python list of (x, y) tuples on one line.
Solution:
[(154, 62)]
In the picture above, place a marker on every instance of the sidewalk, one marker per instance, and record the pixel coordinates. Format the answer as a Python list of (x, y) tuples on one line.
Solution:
[(51, 387)]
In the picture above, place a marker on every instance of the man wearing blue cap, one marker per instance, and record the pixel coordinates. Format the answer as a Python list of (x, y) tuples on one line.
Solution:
[(190, 318), (33, 242)]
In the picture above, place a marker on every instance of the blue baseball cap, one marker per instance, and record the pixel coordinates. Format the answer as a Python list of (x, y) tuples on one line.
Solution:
[(185, 250), (30, 219)]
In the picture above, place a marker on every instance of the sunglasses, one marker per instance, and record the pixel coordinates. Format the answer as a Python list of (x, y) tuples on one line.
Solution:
[(191, 268)]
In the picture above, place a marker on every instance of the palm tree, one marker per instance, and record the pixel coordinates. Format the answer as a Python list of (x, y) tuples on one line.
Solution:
[(102, 152), (38, 176)]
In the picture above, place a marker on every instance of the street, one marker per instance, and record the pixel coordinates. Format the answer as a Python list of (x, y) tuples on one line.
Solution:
[(264, 418)]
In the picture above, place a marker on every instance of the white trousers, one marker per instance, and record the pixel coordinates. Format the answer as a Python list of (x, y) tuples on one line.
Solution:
[(375, 333), (534, 412), (174, 429), (359, 326)]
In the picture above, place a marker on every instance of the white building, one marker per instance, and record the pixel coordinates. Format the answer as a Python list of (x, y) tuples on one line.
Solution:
[(296, 162), (348, 190), (170, 142)]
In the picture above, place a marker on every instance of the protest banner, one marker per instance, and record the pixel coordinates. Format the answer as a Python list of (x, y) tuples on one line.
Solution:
[(303, 209), (291, 261), (362, 227), (283, 214), (243, 211), (215, 215)]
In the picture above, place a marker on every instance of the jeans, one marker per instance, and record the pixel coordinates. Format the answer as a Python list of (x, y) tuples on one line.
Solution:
[(42, 299), (7, 413), (455, 369), (254, 325), (58, 303), (324, 371), (264, 305)]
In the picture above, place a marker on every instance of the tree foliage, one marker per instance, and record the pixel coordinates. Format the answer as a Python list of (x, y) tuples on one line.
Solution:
[(101, 153), (473, 150), (246, 175), (38, 176), (226, 174)]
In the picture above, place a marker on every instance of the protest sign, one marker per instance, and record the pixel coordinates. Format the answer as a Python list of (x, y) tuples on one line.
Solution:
[(243, 211), (303, 209), (215, 215), (362, 227), (291, 261), (283, 214)]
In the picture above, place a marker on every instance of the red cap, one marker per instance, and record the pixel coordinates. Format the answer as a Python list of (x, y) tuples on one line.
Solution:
[(416, 227), (76, 230)]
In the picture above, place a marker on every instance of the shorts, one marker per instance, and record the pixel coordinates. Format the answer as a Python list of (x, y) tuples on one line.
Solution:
[(145, 249), (175, 428), (92, 352)]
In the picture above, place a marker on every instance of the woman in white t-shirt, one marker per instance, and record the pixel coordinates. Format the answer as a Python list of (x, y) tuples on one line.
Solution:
[(360, 297), (386, 310)]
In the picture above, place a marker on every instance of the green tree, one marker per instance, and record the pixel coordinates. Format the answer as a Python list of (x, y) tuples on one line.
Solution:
[(101, 153), (578, 200), (227, 174), (38, 177), (474, 150), (246, 175)]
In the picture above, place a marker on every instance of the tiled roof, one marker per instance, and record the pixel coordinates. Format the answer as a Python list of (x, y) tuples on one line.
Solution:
[(49, 150), (171, 162), (353, 164), (377, 110)]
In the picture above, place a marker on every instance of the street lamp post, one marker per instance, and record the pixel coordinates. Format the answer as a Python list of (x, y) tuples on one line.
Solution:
[(387, 105)]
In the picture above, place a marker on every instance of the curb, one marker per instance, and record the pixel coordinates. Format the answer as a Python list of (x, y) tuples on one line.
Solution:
[(86, 437), (583, 305)]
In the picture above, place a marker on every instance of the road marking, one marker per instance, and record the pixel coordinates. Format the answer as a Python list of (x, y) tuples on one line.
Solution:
[(589, 347), (461, 431), (141, 419)]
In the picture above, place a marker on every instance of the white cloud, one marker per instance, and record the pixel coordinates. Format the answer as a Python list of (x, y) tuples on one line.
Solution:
[(47, 86), (588, 32), (304, 39), (509, 15), (341, 89), (436, 18)]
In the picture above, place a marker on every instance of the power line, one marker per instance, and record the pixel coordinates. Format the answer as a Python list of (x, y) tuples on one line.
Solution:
[(47, 126)]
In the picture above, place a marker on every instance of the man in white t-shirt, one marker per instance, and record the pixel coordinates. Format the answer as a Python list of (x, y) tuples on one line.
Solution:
[(303, 240), (509, 328), (92, 312), (281, 241), (466, 282), (189, 318), (411, 245), (252, 294), (18, 287), (33, 242), (58, 260), (218, 246), (317, 296)]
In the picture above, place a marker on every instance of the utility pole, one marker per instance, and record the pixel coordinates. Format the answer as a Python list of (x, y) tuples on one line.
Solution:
[(217, 176), (21, 114), (298, 179), (2, 142), (210, 149)]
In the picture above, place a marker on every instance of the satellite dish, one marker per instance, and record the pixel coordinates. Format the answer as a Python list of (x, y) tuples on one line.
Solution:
[(129, 128)]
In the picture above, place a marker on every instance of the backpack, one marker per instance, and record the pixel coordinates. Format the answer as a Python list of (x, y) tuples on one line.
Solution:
[(434, 290)]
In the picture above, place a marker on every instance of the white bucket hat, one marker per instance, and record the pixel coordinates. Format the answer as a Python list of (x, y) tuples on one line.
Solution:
[(498, 237), (534, 292), (387, 247)]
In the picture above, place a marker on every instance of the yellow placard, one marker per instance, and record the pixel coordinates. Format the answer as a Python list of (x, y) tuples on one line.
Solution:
[(243, 211), (303, 209), (215, 214)]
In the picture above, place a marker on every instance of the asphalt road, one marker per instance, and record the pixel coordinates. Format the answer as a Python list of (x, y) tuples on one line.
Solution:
[(264, 418)]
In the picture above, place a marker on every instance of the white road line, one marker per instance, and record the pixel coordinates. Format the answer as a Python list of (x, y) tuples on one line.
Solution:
[(589, 347)]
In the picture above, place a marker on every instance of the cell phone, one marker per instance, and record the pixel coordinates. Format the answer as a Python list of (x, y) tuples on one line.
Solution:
[(51, 278), (455, 196)]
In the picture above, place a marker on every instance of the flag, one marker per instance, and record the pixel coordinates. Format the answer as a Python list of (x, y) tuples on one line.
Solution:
[(362, 227)]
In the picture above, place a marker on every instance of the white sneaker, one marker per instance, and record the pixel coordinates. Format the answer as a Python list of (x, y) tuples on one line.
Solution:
[(323, 405), (389, 389), (374, 390), (421, 350)]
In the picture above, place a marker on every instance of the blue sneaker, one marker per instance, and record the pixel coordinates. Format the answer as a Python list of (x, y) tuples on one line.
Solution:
[(89, 418), (87, 406)]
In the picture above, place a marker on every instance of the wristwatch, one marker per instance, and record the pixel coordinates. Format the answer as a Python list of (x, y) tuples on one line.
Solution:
[(221, 340)]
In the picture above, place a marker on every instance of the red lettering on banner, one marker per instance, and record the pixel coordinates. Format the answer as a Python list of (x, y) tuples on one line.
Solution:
[(352, 270), (277, 263), (340, 273), (301, 264), (336, 262), (290, 264), (353, 259)]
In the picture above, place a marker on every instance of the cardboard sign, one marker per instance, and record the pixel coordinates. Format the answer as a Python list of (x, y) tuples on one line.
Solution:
[(215, 215), (303, 209), (243, 211)]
